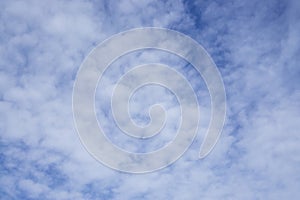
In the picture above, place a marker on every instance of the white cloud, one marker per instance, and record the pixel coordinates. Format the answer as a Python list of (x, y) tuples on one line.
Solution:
[(255, 44)]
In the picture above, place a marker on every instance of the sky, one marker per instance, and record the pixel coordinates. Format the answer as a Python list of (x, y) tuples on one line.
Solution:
[(256, 47)]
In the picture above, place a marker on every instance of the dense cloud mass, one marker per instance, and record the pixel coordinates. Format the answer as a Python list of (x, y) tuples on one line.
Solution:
[(255, 45)]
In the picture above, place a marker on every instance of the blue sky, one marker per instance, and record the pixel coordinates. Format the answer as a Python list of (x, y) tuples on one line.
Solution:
[(255, 45)]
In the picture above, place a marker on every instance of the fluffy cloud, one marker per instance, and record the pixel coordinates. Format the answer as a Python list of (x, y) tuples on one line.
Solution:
[(255, 45)]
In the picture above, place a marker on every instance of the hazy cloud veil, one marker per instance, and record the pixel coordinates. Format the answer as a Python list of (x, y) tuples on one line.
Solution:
[(255, 45)]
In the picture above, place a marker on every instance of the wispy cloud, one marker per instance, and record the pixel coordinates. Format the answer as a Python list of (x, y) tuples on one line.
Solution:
[(255, 45)]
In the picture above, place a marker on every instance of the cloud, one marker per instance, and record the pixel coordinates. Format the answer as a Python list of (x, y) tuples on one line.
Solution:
[(255, 45)]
